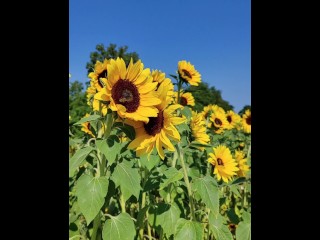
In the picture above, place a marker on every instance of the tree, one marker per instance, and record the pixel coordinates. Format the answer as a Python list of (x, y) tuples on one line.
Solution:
[(78, 106), (203, 96), (111, 51)]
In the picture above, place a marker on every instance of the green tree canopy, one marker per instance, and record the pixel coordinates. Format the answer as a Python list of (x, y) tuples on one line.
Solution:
[(111, 51), (242, 111), (203, 96)]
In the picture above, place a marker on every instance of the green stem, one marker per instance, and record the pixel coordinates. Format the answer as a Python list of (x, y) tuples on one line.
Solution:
[(186, 179), (143, 203), (122, 203), (109, 122), (149, 228), (96, 225)]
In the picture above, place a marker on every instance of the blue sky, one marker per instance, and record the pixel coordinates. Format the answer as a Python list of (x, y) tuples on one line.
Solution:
[(214, 35)]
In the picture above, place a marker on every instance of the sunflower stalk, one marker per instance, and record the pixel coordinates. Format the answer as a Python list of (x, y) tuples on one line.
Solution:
[(186, 179), (143, 198)]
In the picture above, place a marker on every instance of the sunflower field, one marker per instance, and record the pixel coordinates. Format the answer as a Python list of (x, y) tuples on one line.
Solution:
[(149, 167)]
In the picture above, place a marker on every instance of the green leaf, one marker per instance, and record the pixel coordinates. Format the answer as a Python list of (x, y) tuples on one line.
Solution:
[(149, 163), (197, 144), (165, 216), (141, 216), (243, 231), (219, 230), (186, 229), (127, 178), (91, 192), (120, 227), (208, 190), (246, 217), (76, 160), (186, 111), (127, 129), (110, 148), (88, 119), (172, 175)]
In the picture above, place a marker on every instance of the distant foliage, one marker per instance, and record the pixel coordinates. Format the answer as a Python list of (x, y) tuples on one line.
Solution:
[(204, 96)]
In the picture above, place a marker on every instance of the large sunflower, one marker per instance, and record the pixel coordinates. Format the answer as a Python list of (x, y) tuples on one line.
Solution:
[(185, 98), (246, 121), (224, 165), (198, 129), (233, 119), (159, 130), (242, 163), (131, 91), (188, 73)]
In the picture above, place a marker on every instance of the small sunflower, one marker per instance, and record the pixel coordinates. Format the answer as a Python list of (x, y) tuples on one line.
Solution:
[(86, 126), (99, 75), (246, 121), (161, 78), (242, 163), (224, 165), (219, 121), (185, 98), (188, 73), (233, 119), (131, 91), (198, 129), (206, 113), (159, 130)]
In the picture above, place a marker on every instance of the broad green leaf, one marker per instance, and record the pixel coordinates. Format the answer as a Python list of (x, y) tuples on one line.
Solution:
[(165, 216), (186, 229), (183, 127), (110, 148), (186, 111), (172, 175), (246, 217), (219, 230), (120, 227), (78, 158), (91, 192), (208, 190), (149, 163), (127, 129), (243, 231), (127, 178), (88, 119)]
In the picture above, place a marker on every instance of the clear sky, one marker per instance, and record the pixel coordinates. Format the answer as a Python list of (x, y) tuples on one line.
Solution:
[(214, 35)]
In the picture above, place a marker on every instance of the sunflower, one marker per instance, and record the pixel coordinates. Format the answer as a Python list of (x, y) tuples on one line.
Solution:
[(188, 73), (99, 75), (206, 113), (161, 78), (246, 121), (233, 120), (242, 163), (86, 126), (198, 129), (185, 98), (224, 165), (219, 121), (131, 91), (159, 130)]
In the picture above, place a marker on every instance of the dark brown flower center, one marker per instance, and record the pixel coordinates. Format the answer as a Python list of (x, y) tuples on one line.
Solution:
[(248, 120), (218, 121), (126, 93), (183, 101), (155, 124), (103, 74), (229, 119), (186, 73), (220, 161)]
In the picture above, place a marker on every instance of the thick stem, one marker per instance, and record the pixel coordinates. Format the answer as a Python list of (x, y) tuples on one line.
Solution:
[(186, 179)]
